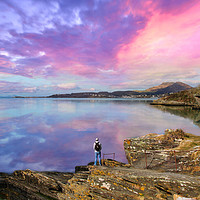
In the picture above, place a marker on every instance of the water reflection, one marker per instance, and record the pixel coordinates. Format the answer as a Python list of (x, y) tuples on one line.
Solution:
[(58, 134), (186, 112)]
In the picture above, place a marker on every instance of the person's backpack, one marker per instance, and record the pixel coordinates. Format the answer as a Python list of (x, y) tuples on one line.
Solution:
[(97, 146)]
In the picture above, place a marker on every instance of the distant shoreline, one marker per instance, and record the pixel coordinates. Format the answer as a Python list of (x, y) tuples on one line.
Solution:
[(148, 97), (159, 91)]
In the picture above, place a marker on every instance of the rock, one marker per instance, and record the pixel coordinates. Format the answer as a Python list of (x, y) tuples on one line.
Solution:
[(100, 182), (29, 184), (183, 98), (116, 180), (175, 151)]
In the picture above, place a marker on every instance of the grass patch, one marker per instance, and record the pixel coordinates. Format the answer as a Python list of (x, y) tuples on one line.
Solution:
[(187, 140)]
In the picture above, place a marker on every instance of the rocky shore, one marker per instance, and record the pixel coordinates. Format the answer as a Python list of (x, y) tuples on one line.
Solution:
[(116, 180), (170, 103), (101, 182), (184, 98)]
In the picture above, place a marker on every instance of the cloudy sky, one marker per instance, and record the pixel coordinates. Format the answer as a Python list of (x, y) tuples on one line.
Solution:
[(64, 46)]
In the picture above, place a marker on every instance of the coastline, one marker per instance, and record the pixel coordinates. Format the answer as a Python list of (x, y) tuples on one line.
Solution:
[(115, 180), (184, 98), (170, 103), (98, 182), (175, 104)]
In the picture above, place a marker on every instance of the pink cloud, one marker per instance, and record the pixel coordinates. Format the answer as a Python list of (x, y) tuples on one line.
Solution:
[(67, 85), (30, 89), (5, 62), (105, 43), (15, 88), (168, 44)]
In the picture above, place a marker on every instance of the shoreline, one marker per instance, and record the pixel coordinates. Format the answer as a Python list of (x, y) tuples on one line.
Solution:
[(98, 182), (116, 180), (175, 104)]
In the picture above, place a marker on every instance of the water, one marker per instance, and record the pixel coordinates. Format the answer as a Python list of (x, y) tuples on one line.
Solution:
[(58, 134)]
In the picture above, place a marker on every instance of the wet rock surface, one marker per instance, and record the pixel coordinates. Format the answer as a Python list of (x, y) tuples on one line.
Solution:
[(99, 182)]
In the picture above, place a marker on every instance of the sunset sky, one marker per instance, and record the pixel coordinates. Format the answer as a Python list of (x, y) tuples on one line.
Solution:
[(64, 46)]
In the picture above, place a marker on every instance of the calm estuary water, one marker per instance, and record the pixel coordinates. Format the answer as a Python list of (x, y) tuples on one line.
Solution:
[(58, 134)]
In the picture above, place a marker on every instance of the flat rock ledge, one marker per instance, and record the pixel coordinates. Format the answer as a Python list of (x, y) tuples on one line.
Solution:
[(174, 151), (195, 106), (99, 182), (170, 103)]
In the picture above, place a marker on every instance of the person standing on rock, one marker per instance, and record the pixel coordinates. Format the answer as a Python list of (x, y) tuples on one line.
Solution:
[(97, 149)]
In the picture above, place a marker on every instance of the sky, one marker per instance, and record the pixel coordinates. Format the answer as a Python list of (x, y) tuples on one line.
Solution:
[(64, 46)]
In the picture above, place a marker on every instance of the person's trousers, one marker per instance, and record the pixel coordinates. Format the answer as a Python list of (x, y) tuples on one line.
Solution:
[(97, 154)]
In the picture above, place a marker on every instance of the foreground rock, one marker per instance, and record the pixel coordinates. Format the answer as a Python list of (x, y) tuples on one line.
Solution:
[(99, 182), (175, 151)]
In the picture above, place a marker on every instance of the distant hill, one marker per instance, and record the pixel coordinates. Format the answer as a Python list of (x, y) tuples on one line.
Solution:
[(116, 94), (160, 90), (168, 87)]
